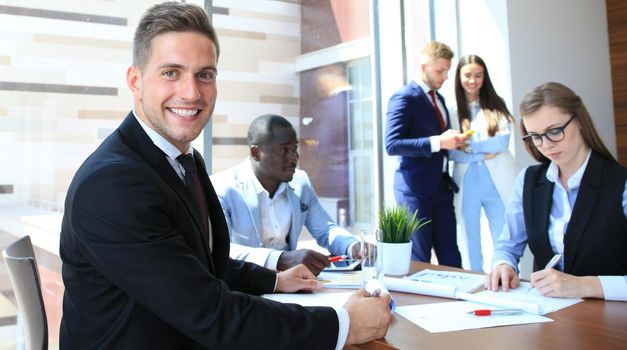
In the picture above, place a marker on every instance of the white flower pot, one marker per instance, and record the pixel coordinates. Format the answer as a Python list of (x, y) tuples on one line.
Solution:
[(396, 258)]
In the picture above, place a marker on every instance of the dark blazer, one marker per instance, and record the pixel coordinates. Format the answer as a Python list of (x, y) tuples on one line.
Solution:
[(139, 273), (411, 120), (595, 242)]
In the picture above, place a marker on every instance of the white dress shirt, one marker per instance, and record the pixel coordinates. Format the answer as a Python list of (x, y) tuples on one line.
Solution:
[(276, 220), (435, 139), (171, 153)]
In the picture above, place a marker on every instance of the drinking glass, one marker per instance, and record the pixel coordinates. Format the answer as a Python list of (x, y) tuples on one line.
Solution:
[(370, 257)]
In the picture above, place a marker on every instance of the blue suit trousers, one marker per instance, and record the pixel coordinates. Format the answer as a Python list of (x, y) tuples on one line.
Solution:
[(439, 235)]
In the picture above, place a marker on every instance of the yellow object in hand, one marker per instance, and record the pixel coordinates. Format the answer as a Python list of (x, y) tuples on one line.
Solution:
[(469, 132)]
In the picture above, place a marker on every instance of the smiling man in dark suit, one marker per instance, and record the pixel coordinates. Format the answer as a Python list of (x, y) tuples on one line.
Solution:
[(144, 243), (418, 131)]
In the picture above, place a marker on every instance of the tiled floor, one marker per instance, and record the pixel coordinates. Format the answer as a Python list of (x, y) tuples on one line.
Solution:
[(52, 289)]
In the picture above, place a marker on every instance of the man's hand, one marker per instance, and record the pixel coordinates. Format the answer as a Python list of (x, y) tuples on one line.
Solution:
[(553, 283), (451, 139), (357, 253), (295, 279), (502, 274), (370, 317), (313, 260)]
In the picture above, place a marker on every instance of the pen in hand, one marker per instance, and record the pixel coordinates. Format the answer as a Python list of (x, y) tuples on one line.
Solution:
[(554, 261), (551, 264)]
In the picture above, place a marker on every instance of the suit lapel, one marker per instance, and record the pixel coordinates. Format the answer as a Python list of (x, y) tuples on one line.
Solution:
[(219, 228), (448, 119), (137, 139), (296, 216), (434, 121), (544, 194), (588, 189), (247, 186)]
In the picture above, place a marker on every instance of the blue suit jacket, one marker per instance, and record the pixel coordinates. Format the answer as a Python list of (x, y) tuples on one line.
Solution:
[(139, 272), (411, 120), (238, 197)]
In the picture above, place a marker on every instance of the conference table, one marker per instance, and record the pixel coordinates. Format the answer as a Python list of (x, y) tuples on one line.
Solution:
[(591, 324)]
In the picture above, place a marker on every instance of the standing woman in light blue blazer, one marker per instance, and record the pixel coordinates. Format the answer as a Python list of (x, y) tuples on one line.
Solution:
[(485, 169)]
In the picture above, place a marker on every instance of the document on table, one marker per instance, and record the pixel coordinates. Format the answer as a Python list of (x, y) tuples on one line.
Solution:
[(453, 316), (311, 299), (438, 283), (462, 281), (524, 297), (340, 279)]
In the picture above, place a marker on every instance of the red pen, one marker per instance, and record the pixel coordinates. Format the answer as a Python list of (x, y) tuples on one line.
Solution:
[(501, 312), (338, 258)]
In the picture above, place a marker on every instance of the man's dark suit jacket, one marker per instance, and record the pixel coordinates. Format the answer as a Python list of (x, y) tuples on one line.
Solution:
[(411, 120), (139, 273)]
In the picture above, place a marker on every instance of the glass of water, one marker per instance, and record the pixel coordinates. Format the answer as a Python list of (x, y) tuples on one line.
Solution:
[(370, 257)]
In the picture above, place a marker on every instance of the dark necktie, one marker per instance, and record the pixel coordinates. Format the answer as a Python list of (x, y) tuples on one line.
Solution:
[(193, 185), (437, 110)]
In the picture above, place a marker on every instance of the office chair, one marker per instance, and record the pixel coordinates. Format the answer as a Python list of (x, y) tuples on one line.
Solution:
[(20, 260)]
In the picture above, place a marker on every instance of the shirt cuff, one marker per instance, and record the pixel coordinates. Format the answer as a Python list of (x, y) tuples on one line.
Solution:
[(273, 260), (344, 325), (499, 262), (614, 287), (435, 143)]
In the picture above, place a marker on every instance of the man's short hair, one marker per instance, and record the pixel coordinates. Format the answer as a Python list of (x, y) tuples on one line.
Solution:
[(434, 50), (260, 130), (169, 17)]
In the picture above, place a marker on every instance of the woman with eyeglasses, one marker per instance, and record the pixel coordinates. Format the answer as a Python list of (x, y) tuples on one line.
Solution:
[(573, 205), (485, 169)]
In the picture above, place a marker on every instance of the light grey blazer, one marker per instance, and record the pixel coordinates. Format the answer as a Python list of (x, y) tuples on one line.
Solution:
[(236, 192)]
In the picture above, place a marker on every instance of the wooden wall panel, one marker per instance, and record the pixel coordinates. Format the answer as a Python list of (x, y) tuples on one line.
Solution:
[(617, 31)]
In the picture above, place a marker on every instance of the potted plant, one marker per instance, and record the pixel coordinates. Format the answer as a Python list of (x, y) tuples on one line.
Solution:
[(397, 225)]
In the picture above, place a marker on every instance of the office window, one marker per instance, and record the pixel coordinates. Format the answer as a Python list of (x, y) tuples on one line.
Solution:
[(361, 145), (282, 58)]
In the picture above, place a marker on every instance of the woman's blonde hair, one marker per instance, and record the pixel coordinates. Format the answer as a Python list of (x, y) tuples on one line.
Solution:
[(560, 96)]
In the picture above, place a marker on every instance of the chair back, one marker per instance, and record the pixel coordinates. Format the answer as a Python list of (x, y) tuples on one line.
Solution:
[(22, 266)]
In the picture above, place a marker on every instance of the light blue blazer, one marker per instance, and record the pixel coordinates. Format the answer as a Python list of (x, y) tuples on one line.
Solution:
[(236, 192)]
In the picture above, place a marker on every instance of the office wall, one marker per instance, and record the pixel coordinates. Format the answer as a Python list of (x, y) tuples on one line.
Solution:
[(526, 43), (256, 71), (564, 41)]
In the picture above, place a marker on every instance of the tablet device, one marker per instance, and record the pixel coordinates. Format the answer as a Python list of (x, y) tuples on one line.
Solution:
[(344, 265)]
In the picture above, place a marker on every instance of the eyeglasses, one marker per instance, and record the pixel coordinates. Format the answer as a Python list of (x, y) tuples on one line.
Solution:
[(553, 135)]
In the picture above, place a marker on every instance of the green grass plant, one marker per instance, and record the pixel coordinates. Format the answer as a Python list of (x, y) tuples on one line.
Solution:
[(397, 224)]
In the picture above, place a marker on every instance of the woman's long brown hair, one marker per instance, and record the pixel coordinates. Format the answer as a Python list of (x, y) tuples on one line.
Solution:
[(560, 96), (489, 101)]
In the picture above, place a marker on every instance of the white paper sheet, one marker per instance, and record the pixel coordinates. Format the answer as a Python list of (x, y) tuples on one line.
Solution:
[(325, 299), (344, 279), (453, 316), (524, 297), (311, 299), (419, 287)]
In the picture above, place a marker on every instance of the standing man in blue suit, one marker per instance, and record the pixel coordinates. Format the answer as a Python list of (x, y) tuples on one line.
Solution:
[(418, 131), (267, 201)]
